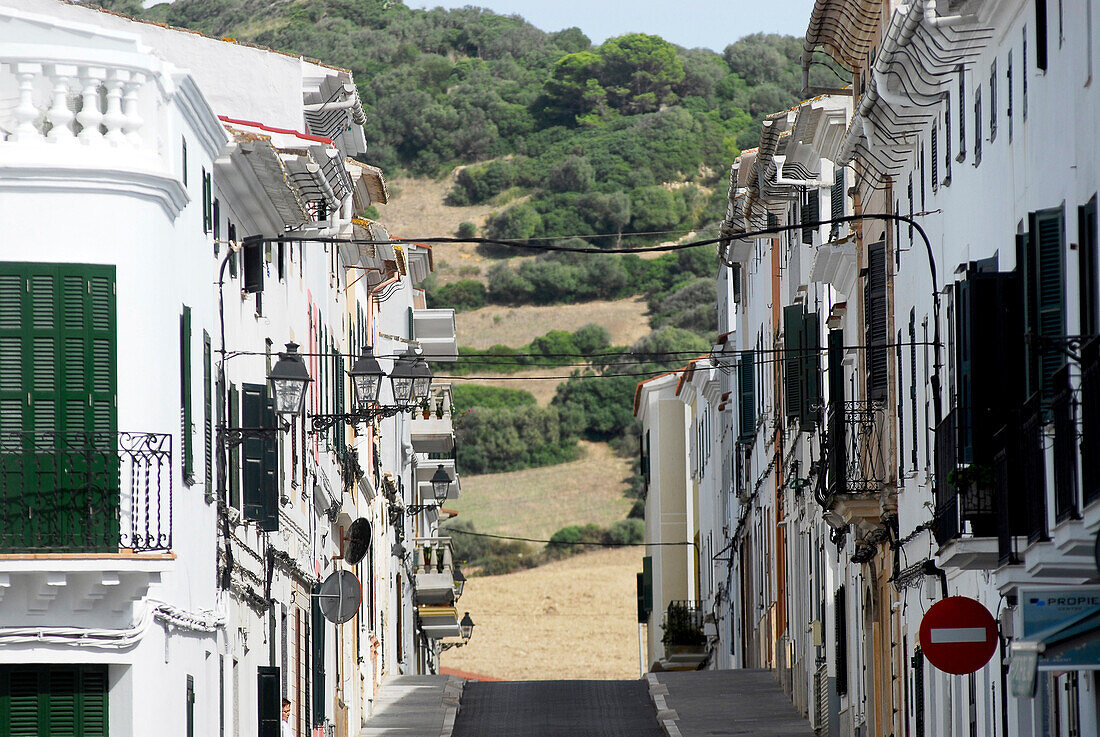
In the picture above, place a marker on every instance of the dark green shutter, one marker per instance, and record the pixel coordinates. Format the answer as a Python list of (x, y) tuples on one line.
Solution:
[(269, 700), (1089, 279), (837, 195), (206, 197), (841, 627), (189, 706), (253, 250), (208, 420), (792, 360), (260, 458), (63, 700), (811, 213), (647, 584), (57, 385), (1040, 36), (235, 451), (318, 653), (876, 322), (186, 418), (811, 367), (746, 385), (1046, 287), (963, 346), (269, 513)]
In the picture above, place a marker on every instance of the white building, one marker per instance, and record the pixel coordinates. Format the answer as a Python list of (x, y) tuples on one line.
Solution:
[(173, 570), (915, 421)]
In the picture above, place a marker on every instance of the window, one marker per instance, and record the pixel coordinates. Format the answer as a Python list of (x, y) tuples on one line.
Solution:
[(993, 101), (746, 407), (977, 126), (910, 195), (1041, 34), (57, 386), (801, 363), (183, 160), (189, 706), (1090, 262), (946, 141), (1008, 83), (207, 203), (1044, 292), (187, 426), (208, 420), (231, 232), (923, 206), (875, 319), (841, 628), (39, 699), (935, 143), (268, 701), (962, 113), (836, 197), (1023, 76), (811, 213), (260, 473), (216, 219)]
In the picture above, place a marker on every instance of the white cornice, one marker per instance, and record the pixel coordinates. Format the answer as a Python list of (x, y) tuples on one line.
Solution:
[(165, 190), (199, 115)]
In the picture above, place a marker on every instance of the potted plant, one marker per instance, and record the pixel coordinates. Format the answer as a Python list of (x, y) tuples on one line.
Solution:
[(425, 409), (683, 634)]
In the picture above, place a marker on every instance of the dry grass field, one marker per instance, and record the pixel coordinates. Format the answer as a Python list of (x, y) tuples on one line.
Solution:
[(537, 502), (516, 326), (574, 618)]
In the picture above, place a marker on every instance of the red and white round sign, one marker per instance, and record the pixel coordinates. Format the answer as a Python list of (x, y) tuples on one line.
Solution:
[(958, 635)]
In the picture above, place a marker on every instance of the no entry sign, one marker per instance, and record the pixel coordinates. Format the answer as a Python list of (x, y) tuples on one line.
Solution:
[(958, 635)]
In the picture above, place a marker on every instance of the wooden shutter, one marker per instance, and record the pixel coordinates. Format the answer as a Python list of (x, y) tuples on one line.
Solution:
[(935, 155), (875, 321), (231, 231), (189, 706), (186, 418), (811, 367), (746, 385), (253, 250), (1090, 262), (269, 498), (840, 611), (1047, 240), (268, 700), (792, 360), (253, 397), (208, 419), (235, 451), (54, 700), (1040, 34), (318, 651), (206, 204), (837, 195), (811, 213)]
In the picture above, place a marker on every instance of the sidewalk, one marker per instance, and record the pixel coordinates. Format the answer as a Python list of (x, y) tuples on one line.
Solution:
[(415, 706), (745, 703)]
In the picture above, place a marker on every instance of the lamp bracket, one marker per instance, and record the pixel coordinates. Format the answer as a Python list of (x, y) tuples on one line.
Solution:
[(413, 509), (323, 422), (231, 437)]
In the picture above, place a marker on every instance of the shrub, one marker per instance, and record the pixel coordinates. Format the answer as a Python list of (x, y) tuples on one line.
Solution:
[(477, 184), (573, 174), (467, 294), (468, 396), (625, 532), (563, 542), (466, 229), (511, 438)]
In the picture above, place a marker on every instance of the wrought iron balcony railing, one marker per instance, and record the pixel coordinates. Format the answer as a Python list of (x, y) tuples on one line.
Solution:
[(85, 492), (683, 624), (964, 493), (1063, 411), (1090, 420), (853, 442)]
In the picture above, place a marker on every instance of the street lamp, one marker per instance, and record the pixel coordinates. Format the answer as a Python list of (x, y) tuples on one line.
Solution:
[(401, 378), (466, 628), (441, 484), (366, 379), (288, 381), (422, 380), (460, 581)]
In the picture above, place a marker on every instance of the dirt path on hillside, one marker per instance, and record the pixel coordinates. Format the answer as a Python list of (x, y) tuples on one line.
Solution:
[(574, 618)]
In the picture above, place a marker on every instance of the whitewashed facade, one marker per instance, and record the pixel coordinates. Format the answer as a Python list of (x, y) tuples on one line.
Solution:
[(128, 147)]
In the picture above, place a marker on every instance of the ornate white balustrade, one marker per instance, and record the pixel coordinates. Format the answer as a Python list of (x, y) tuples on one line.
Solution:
[(74, 103)]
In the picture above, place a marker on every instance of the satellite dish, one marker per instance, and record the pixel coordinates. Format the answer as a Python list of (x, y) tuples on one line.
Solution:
[(340, 596), (357, 541)]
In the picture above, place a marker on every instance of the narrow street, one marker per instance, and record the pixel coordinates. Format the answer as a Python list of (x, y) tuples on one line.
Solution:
[(557, 709), (732, 703)]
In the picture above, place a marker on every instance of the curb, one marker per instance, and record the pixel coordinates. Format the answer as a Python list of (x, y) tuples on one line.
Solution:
[(666, 717), (452, 699)]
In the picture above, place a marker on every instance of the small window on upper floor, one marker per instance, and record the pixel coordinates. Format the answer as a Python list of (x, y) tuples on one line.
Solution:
[(993, 101), (183, 159), (962, 114), (977, 126)]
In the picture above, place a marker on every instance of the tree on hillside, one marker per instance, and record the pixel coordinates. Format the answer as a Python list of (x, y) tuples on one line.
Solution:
[(572, 90), (639, 72)]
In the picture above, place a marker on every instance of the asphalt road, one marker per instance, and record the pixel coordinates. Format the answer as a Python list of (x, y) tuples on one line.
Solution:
[(557, 709)]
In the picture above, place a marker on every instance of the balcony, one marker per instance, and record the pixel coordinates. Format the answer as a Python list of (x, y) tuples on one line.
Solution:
[(85, 492), (438, 622), (434, 570), (435, 332), (434, 433), (1020, 482), (965, 518), (85, 524), (684, 638), (855, 463), (87, 114), (1090, 420)]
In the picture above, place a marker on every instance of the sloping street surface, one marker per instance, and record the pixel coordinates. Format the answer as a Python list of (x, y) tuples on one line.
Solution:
[(414, 706), (557, 709), (725, 703)]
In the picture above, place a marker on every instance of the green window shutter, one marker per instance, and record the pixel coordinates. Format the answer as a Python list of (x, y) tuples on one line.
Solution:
[(235, 452), (1048, 241), (269, 514), (837, 195), (792, 360), (253, 399), (318, 653), (205, 201), (836, 366), (54, 700), (1089, 280), (269, 700), (186, 419), (841, 630), (746, 384), (811, 367), (208, 420), (340, 400), (189, 706), (876, 322)]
